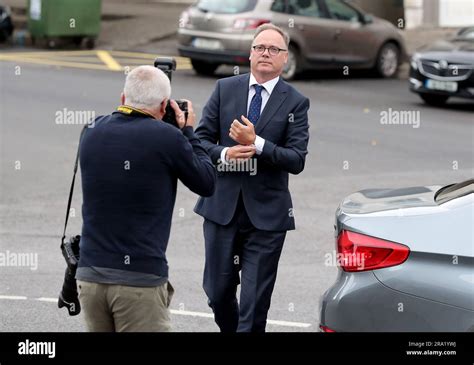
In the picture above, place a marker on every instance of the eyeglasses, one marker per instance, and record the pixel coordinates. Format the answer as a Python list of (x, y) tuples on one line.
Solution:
[(272, 50)]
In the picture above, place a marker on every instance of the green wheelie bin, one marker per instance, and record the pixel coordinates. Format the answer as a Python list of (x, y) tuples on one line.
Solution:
[(54, 20)]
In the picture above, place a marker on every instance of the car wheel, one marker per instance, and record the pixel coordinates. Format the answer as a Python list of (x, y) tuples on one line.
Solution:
[(52, 43), (387, 60), (90, 42), (77, 41), (435, 100), (292, 67), (204, 68), (3, 36)]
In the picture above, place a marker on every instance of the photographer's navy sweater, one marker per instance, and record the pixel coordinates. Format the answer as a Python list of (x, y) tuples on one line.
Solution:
[(130, 165)]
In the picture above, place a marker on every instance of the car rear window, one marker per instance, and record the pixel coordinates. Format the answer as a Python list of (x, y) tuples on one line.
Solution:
[(454, 191), (466, 34), (226, 6)]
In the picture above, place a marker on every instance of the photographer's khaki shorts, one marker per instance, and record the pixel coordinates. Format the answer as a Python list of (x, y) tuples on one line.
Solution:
[(120, 308)]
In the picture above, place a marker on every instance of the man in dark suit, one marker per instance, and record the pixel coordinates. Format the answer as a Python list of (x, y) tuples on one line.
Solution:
[(253, 117)]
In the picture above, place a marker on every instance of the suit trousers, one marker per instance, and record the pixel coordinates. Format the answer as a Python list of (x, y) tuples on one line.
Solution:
[(240, 247)]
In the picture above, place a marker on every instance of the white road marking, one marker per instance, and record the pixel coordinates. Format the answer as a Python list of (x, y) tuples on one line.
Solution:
[(52, 300), (173, 311), (193, 314), (288, 324), (12, 297)]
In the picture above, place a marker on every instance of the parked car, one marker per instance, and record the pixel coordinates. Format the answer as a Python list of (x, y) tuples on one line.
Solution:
[(6, 25), (406, 261), (444, 69), (325, 34)]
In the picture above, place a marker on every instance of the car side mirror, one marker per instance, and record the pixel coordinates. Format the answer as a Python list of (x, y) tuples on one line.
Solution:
[(367, 18)]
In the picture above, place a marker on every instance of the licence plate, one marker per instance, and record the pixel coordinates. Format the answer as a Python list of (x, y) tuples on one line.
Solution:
[(441, 85), (206, 43)]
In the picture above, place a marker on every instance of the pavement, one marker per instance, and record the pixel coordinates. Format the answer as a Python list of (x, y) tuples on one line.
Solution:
[(345, 130), (126, 24), (350, 149), (151, 25)]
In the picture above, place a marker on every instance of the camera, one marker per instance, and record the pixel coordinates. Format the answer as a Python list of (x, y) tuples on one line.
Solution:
[(69, 297), (168, 65)]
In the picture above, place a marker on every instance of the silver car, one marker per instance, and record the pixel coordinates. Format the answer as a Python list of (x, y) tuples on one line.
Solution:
[(325, 34), (406, 260)]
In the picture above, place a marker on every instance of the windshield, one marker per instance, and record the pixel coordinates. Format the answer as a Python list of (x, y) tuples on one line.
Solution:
[(465, 35), (226, 6), (454, 191)]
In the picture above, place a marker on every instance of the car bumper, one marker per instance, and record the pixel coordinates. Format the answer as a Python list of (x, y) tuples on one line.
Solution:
[(359, 302), (465, 88), (231, 47), (215, 56)]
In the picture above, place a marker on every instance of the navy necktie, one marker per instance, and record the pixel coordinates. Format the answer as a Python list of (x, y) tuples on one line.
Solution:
[(255, 105)]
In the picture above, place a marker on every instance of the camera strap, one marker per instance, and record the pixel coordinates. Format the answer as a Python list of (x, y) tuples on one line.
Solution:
[(71, 190), (134, 112)]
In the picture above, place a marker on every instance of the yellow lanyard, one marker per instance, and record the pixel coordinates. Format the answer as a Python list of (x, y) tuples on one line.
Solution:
[(128, 110)]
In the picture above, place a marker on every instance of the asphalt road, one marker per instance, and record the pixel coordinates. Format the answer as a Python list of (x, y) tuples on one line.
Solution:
[(350, 149)]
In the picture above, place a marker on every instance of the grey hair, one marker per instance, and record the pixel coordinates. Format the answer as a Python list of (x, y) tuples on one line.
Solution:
[(146, 87), (271, 26)]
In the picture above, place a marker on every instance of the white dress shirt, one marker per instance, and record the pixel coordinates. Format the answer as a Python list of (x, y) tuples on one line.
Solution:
[(266, 92)]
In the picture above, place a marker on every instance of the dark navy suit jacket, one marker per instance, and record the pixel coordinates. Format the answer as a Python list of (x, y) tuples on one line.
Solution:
[(284, 125)]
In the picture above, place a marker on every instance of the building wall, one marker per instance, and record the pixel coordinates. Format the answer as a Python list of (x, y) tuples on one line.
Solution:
[(442, 13), (454, 13), (416, 13), (414, 10), (431, 13)]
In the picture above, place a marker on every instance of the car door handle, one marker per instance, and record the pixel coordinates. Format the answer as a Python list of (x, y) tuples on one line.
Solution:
[(337, 33), (300, 26)]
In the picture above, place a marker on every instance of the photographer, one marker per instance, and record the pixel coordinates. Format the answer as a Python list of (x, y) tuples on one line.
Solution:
[(130, 163)]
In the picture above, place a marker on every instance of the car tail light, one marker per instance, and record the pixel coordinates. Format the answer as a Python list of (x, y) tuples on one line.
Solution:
[(358, 252), (248, 24), (325, 329)]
